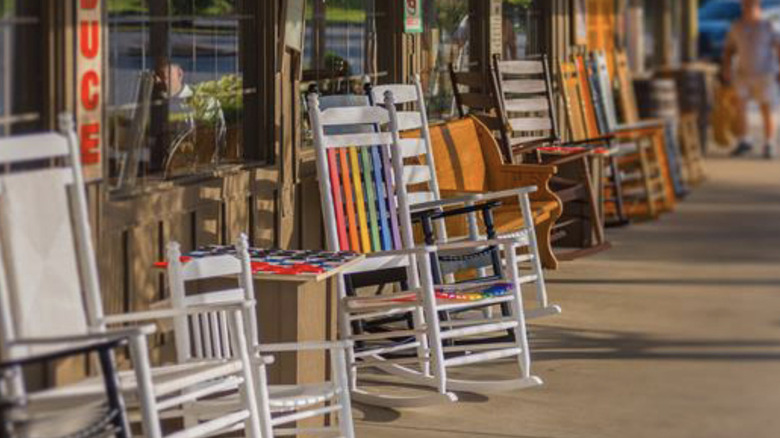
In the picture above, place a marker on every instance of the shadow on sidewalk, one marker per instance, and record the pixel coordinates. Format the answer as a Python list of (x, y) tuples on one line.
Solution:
[(554, 343)]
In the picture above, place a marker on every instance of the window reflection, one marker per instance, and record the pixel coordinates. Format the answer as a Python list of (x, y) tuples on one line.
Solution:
[(177, 95), (22, 77), (515, 29), (445, 40), (340, 44)]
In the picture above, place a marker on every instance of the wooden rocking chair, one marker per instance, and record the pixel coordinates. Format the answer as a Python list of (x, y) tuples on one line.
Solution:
[(584, 130), (521, 112), (50, 297), (630, 117), (646, 184), (366, 209)]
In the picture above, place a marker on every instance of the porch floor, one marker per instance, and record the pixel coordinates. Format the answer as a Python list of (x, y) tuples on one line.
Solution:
[(675, 332)]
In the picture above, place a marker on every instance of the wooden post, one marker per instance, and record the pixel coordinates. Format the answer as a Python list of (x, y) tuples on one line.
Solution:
[(690, 30), (635, 29), (397, 49)]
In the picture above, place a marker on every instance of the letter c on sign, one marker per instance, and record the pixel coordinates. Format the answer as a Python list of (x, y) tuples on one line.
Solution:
[(90, 100)]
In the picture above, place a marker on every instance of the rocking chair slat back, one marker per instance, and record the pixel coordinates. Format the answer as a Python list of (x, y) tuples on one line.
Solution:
[(627, 95), (523, 90), (205, 335), (359, 189), (573, 100), (606, 95), (592, 126), (39, 253), (420, 179), (474, 96)]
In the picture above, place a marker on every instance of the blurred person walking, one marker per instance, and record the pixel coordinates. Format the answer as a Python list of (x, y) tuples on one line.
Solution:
[(754, 42)]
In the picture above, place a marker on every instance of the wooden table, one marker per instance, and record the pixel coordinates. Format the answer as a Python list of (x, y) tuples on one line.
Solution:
[(294, 308)]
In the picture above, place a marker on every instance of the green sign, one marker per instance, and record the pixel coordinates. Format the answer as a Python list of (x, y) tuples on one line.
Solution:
[(413, 16)]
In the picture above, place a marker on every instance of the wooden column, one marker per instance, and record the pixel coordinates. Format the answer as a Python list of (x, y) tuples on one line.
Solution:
[(635, 38), (662, 33), (690, 30), (395, 49)]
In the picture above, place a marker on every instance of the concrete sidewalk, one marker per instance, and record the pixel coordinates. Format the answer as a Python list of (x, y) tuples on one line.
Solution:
[(675, 332)]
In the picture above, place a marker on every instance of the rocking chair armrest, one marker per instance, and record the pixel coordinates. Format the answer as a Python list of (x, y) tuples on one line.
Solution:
[(593, 141), (152, 315), (452, 201), (490, 196), (507, 242), (627, 132), (436, 213), (91, 338), (530, 146), (302, 346), (70, 351), (644, 124), (571, 158), (263, 359)]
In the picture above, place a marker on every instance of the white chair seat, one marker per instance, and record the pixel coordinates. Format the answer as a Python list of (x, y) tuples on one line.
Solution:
[(284, 398)]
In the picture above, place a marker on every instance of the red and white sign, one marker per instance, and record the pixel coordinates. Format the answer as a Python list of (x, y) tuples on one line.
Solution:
[(89, 76)]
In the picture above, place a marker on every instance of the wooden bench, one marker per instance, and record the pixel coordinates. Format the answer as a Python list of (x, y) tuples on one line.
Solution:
[(468, 161)]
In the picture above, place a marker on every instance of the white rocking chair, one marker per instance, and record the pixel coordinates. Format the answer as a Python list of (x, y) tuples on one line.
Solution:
[(366, 209), (412, 98), (206, 336), (50, 296)]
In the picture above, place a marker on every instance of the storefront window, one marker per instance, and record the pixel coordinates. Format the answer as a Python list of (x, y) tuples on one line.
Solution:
[(516, 23), (340, 45), (22, 77), (177, 95), (445, 40)]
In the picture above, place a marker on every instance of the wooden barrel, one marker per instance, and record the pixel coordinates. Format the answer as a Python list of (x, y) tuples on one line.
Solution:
[(656, 98), (693, 94)]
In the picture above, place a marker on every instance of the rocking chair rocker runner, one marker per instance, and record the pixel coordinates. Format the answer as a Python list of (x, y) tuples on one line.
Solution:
[(50, 298), (366, 208)]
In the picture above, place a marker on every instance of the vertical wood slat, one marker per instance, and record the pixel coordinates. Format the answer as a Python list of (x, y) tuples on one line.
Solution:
[(341, 224), (197, 336), (381, 194), (205, 333), (216, 334), (346, 186), (391, 201), (225, 335), (371, 199), (361, 200)]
